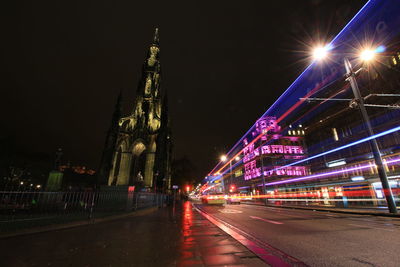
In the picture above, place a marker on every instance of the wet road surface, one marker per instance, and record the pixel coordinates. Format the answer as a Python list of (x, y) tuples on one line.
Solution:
[(171, 236), (318, 238)]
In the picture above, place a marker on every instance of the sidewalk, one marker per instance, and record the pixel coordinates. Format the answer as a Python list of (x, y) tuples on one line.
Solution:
[(351, 210), (204, 244), (172, 236)]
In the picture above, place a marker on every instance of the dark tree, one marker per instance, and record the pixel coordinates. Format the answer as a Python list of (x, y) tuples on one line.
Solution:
[(183, 172)]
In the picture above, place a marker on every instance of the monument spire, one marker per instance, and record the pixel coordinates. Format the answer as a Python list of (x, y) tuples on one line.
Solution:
[(156, 39)]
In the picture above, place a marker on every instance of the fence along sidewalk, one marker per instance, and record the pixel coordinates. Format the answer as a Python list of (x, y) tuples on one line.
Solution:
[(26, 209)]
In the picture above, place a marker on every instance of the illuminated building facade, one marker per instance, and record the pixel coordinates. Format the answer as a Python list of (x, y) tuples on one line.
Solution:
[(141, 153), (266, 157)]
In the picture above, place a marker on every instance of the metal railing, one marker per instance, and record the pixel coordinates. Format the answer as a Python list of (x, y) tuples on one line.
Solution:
[(26, 209)]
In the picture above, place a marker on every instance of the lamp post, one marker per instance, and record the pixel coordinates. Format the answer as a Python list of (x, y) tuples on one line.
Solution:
[(263, 178), (224, 158), (366, 55), (351, 77), (236, 160), (264, 190)]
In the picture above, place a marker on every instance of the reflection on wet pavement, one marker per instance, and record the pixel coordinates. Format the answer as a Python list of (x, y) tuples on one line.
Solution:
[(204, 244)]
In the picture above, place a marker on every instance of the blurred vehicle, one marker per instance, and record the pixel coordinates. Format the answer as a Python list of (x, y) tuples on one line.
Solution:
[(215, 199), (194, 197), (233, 199)]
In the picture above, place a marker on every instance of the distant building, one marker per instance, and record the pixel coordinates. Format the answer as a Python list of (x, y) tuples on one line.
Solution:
[(267, 151), (77, 169)]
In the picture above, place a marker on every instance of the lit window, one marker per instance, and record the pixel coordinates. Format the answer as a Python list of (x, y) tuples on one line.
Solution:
[(335, 135), (394, 60), (298, 132), (302, 132), (290, 132)]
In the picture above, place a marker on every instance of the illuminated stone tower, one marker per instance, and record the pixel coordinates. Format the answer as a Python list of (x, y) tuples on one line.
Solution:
[(142, 152), (109, 144)]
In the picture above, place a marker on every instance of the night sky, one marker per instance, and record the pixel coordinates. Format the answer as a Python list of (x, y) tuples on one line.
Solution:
[(223, 62)]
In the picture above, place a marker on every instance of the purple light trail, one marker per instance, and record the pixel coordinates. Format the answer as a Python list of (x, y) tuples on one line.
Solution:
[(326, 174)]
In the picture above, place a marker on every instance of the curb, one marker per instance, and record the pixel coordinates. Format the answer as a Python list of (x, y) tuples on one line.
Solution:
[(77, 224), (329, 210)]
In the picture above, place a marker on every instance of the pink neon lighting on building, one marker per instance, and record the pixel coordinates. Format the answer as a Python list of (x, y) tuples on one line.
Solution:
[(332, 173), (281, 149), (290, 171), (266, 125), (271, 131), (251, 170)]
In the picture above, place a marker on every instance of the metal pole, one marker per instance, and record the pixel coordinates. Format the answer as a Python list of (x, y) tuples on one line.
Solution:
[(223, 184), (262, 175), (230, 166), (374, 145)]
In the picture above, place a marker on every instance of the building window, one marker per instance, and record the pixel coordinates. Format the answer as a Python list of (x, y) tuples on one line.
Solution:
[(394, 61)]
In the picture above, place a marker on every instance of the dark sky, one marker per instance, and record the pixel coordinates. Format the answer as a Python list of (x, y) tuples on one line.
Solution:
[(224, 63)]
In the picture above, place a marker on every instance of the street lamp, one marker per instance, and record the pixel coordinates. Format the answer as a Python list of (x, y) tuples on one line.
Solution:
[(368, 55), (320, 52), (224, 158), (351, 77)]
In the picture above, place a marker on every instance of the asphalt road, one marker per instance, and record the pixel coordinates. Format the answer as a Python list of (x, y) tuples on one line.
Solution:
[(318, 238)]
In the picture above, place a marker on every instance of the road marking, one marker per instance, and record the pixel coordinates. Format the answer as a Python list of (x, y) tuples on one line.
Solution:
[(265, 220), (364, 226), (230, 211)]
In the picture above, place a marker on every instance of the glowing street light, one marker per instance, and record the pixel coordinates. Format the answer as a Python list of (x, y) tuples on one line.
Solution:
[(320, 52), (368, 54), (224, 158), (365, 55)]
